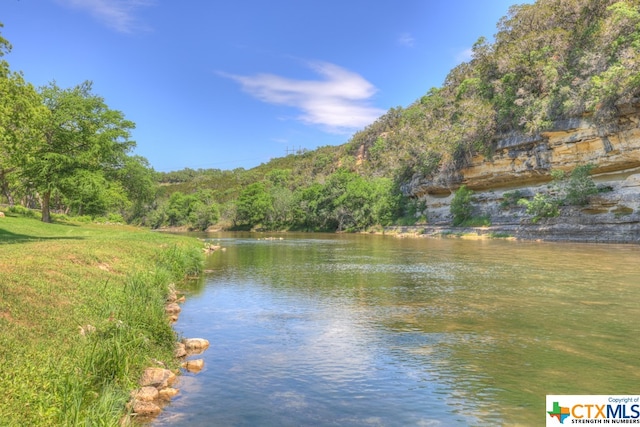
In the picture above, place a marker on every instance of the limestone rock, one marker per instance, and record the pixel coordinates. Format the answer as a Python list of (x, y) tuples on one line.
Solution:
[(172, 296), (193, 366), (195, 345), (180, 350), (147, 409), (168, 393), (157, 377), (145, 394), (172, 308)]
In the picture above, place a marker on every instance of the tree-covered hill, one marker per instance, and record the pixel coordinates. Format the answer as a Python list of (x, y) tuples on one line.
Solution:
[(551, 60)]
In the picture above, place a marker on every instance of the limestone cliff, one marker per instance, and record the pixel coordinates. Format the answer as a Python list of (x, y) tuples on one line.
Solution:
[(524, 163)]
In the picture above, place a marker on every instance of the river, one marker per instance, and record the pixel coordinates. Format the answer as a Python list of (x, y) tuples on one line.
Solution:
[(364, 330)]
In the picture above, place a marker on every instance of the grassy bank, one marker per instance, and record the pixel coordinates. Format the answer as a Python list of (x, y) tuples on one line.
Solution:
[(81, 315)]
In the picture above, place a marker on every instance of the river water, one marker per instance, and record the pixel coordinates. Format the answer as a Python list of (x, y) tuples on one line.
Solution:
[(359, 330)]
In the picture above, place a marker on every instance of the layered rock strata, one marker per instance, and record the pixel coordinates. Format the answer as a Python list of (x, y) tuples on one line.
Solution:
[(524, 164)]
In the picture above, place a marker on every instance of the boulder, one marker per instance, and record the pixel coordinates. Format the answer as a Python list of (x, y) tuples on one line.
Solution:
[(157, 377), (195, 345), (147, 409), (167, 393), (145, 394), (193, 366), (172, 308), (180, 350)]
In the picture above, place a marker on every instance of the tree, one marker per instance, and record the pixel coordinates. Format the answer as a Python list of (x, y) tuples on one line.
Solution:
[(138, 180), (20, 108), (79, 132), (254, 204), (461, 205)]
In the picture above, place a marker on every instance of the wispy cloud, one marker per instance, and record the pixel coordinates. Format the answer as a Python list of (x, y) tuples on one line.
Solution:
[(118, 15), (464, 56), (406, 40), (340, 102)]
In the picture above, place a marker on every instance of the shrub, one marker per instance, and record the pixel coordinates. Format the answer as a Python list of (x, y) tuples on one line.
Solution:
[(511, 199), (542, 206), (461, 205), (580, 186)]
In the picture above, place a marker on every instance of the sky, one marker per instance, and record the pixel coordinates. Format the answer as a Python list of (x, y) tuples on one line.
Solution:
[(229, 84)]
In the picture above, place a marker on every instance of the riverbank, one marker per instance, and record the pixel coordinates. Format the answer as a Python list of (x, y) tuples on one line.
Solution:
[(551, 230), (82, 315)]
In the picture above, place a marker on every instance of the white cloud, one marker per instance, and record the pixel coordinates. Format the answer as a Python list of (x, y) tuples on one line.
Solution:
[(339, 102), (406, 39), (464, 56), (116, 14)]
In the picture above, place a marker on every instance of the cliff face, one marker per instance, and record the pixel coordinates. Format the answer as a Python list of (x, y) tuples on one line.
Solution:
[(524, 164)]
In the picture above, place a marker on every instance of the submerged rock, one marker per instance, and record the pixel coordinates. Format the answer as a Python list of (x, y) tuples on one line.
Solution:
[(195, 343), (168, 393), (146, 409), (193, 366)]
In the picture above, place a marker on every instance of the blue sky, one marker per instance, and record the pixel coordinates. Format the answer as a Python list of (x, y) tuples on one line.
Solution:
[(227, 84)]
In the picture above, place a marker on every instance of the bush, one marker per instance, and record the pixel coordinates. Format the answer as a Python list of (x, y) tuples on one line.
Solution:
[(511, 199), (19, 210), (580, 186), (542, 206), (461, 205)]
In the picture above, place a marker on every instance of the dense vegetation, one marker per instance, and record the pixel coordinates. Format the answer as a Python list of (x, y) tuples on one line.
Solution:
[(552, 60)]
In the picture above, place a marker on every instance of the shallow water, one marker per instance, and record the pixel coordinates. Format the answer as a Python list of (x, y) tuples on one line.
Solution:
[(335, 330)]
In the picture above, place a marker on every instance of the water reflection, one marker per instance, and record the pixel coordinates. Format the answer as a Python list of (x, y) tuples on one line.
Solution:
[(371, 330)]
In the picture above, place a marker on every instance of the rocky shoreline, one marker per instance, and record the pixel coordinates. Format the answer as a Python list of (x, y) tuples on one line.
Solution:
[(548, 230), (156, 384)]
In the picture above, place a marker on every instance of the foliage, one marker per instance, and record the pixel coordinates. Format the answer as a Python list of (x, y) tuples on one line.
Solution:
[(541, 206), (510, 199), (462, 205), (579, 186)]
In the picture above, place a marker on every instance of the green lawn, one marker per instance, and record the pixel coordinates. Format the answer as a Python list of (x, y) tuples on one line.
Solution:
[(57, 278)]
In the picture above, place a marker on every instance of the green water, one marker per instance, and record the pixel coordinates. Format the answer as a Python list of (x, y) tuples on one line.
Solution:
[(360, 330)]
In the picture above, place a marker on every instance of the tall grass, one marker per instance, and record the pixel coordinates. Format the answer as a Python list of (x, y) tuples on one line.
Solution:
[(58, 281)]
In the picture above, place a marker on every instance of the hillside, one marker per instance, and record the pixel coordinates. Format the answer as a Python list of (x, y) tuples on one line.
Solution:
[(558, 89)]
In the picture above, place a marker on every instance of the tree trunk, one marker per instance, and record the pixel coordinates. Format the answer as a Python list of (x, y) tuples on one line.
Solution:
[(46, 198), (5, 187)]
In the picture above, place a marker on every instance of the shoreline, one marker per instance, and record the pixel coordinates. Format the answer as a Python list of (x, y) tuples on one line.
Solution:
[(542, 232)]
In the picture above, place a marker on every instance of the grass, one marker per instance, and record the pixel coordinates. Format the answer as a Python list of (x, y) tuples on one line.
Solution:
[(55, 280)]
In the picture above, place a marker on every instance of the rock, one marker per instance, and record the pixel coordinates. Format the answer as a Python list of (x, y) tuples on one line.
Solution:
[(195, 345), (157, 377), (172, 296), (172, 308), (1, 214), (145, 394), (167, 393), (180, 350), (147, 409), (193, 366)]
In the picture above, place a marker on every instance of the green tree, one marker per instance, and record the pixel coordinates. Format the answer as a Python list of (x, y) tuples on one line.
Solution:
[(20, 111), (80, 132), (137, 177), (462, 205), (254, 205)]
